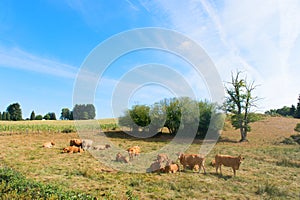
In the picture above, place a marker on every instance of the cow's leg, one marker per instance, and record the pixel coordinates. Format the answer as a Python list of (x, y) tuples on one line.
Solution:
[(217, 167), (233, 171), (203, 168), (221, 169)]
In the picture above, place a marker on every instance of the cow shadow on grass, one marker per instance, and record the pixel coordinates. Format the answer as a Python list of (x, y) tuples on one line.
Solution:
[(226, 140)]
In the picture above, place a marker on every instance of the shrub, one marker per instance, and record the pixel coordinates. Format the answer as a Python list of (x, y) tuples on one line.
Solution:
[(13, 185), (68, 130), (297, 128)]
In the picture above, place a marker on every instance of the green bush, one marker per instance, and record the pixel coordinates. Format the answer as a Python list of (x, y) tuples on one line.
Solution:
[(297, 128), (13, 185)]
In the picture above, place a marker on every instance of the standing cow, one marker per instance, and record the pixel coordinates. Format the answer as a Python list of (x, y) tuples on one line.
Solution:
[(229, 161), (192, 160)]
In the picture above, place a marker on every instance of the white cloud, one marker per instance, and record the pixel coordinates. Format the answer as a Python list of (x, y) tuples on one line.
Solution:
[(258, 37), (19, 59)]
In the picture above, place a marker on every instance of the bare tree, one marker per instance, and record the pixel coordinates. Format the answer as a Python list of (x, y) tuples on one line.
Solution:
[(239, 102)]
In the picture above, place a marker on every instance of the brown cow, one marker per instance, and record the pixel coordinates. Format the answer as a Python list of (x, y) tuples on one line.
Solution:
[(191, 160), (48, 144), (76, 142), (133, 151), (120, 158), (229, 161), (72, 149), (171, 167)]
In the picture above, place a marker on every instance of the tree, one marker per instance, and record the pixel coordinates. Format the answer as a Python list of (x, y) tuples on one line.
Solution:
[(39, 117), (84, 111), (32, 116), (65, 114), (46, 117), (173, 114), (297, 112), (4, 116), (15, 111), (8, 118), (52, 116), (239, 102)]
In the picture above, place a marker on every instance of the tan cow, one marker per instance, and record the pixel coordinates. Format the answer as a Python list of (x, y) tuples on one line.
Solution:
[(191, 160), (48, 144), (121, 158), (133, 151), (229, 161), (171, 167), (72, 149), (162, 157), (101, 147), (157, 167), (76, 142)]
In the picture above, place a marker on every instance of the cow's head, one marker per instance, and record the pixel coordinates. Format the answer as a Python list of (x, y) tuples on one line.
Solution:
[(107, 146), (241, 158)]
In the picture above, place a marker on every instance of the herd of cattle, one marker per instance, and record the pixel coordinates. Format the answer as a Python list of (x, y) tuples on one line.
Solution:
[(162, 163)]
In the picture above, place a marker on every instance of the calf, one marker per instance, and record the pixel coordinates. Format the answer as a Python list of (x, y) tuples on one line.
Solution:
[(171, 167), (86, 144), (191, 160), (48, 144), (133, 151), (76, 142), (120, 158), (229, 161), (101, 147), (72, 149)]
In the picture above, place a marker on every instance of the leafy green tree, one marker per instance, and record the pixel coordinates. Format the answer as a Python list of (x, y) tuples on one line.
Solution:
[(239, 102), (126, 120), (4, 116), (84, 111), (8, 118), (297, 112), (52, 116), (38, 117), (173, 114), (157, 117), (32, 116), (140, 115), (71, 115), (65, 114), (46, 117), (15, 111)]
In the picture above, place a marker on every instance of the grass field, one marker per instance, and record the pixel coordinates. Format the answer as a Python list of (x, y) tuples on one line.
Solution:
[(270, 170)]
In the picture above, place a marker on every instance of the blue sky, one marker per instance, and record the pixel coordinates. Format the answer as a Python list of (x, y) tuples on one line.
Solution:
[(44, 43)]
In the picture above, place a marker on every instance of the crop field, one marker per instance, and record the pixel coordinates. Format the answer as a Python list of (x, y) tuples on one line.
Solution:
[(271, 170)]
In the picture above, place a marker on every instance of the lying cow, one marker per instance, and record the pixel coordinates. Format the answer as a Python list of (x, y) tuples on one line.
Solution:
[(76, 142), (48, 144), (171, 167), (162, 157), (72, 149), (101, 147), (133, 151), (191, 160), (229, 161), (157, 167), (86, 144), (120, 158)]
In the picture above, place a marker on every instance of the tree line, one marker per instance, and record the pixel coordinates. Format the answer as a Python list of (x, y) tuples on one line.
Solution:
[(286, 111), (174, 114), (79, 112)]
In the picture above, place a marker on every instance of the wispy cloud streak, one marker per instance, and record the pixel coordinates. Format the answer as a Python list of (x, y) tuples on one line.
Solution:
[(19, 59)]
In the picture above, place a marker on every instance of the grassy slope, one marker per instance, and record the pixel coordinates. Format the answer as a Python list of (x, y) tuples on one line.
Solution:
[(270, 170)]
